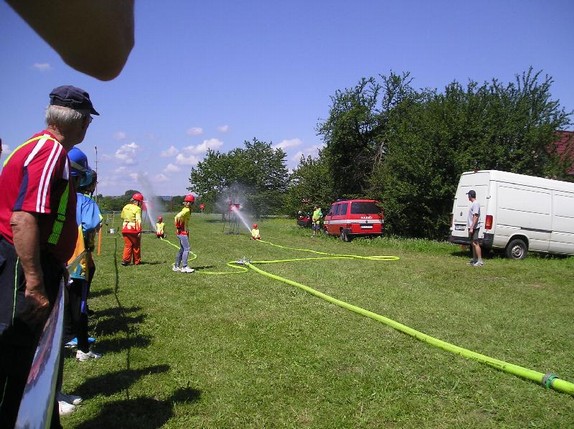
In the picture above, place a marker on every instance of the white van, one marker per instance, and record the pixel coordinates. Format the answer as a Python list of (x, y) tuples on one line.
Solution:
[(518, 213)]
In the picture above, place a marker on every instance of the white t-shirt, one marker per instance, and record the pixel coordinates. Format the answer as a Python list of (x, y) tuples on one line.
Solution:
[(473, 210)]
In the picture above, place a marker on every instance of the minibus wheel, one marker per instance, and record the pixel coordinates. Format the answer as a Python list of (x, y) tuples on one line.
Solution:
[(344, 236)]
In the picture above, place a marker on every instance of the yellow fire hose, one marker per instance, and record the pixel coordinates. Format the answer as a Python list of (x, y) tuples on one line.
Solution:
[(548, 379)]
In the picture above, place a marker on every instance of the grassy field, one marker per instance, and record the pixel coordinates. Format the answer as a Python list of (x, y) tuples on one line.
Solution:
[(229, 348)]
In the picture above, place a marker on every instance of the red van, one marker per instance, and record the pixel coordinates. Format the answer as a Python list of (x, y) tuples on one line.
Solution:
[(354, 218)]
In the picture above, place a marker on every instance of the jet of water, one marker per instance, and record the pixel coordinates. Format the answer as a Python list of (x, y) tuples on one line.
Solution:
[(149, 211), (238, 213)]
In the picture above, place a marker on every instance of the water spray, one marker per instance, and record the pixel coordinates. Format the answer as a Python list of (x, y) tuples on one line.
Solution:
[(236, 210), (148, 211)]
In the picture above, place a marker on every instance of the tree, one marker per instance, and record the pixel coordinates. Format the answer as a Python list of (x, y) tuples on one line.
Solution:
[(385, 140), (433, 140), (355, 132), (257, 171), (350, 134), (310, 184)]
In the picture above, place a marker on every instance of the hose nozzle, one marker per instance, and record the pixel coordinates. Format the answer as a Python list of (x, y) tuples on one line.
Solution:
[(243, 261)]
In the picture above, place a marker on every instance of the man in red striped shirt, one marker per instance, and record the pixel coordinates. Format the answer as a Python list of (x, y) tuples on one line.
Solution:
[(37, 236)]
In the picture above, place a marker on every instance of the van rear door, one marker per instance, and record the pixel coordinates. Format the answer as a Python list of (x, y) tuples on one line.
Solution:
[(366, 218), (479, 182)]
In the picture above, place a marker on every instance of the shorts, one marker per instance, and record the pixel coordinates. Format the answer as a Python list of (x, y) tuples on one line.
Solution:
[(474, 236)]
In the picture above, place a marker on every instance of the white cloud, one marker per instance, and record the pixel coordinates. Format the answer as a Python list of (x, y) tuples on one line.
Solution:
[(171, 151), (42, 67), (223, 128), (213, 144), (5, 149), (284, 144), (171, 168), (120, 170), (195, 131), (181, 159), (311, 150), (127, 153), (160, 178), (120, 135), (202, 148)]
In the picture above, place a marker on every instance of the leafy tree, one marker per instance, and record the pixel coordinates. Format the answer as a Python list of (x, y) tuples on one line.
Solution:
[(433, 140), (356, 131), (257, 169), (350, 134), (408, 148), (310, 184)]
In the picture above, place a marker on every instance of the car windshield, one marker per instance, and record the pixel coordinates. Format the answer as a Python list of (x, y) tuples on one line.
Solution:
[(364, 207)]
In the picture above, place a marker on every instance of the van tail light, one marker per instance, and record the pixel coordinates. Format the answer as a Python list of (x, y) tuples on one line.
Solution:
[(488, 222)]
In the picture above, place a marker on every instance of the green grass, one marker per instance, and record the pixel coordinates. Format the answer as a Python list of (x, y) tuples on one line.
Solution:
[(241, 350)]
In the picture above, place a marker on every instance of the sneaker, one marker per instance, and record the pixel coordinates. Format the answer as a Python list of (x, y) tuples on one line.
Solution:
[(73, 343), (65, 408), (125, 264), (82, 357), (70, 399), (174, 268), (472, 262), (478, 264), (187, 270)]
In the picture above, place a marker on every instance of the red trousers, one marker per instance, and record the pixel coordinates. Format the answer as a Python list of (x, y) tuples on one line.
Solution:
[(132, 243)]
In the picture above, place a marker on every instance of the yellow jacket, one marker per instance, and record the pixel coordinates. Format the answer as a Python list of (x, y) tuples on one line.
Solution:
[(182, 221), (132, 216)]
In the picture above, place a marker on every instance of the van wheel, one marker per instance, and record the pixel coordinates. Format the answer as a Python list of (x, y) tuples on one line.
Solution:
[(516, 249), (344, 236)]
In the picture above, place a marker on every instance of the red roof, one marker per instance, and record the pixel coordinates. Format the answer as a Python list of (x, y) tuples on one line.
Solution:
[(565, 147)]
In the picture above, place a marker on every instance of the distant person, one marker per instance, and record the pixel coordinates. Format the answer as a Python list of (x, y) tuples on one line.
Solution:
[(38, 233), (132, 230), (182, 232), (202, 207), (473, 222), (255, 235), (159, 227), (95, 38), (89, 221), (316, 220)]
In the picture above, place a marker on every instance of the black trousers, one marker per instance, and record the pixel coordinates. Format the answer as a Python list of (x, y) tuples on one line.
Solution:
[(18, 339)]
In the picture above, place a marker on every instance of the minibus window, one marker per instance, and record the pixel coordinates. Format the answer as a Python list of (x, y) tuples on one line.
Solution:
[(364, 208)]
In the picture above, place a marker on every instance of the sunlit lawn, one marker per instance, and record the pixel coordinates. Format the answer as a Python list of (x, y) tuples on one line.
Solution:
[(222, 348)]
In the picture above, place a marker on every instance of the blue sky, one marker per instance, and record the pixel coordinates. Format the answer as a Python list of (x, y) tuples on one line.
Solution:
[(214, 74)]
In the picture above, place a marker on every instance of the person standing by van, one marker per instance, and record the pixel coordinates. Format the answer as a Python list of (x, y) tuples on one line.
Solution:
[(473, 223)]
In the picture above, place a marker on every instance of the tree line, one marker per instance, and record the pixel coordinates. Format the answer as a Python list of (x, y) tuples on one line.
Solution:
[(406, 147)]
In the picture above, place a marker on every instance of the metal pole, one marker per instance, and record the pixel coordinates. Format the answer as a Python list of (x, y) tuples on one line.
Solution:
[(96, 188)]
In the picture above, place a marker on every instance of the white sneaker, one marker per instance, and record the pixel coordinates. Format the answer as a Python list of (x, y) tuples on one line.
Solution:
[(187, 270), (82, 357), (174, 268), (70, 399), (65, 408), (478, 264)]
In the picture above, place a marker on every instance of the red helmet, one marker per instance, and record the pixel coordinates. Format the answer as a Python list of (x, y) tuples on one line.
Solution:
[(254, 225), (137, 196), (189, 199), (160, 219)]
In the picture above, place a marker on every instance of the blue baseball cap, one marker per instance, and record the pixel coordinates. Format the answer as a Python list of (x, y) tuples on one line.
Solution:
[(72, 97)]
